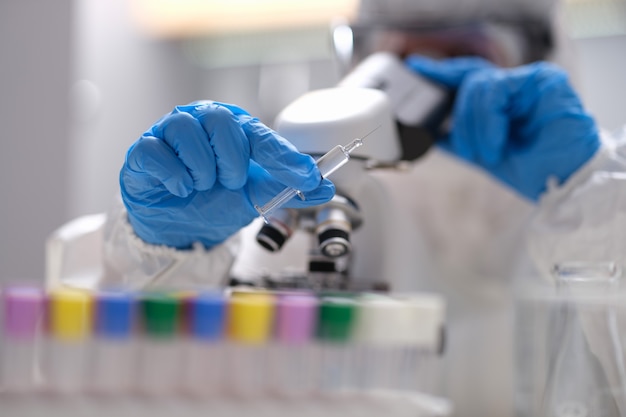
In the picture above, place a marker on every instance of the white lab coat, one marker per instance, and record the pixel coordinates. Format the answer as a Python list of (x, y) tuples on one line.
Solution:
[(480, 235)]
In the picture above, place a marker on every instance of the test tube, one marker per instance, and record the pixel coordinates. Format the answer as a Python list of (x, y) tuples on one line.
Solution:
[(112, 370), (70, 315), (24, 308), (328, 163), (380, 337), (249, 329), (422, 325), (334, 331), (295, 356), (159, 370), (205, 350)]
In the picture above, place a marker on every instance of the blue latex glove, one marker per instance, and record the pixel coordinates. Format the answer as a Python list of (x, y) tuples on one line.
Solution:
[(523, 125), (196, 174)]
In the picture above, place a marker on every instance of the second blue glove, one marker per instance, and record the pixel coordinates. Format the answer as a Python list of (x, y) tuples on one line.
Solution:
[(523, 125)]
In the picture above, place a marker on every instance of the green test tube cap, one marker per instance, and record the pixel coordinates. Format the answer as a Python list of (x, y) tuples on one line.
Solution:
[(161, 315), (336, 318)]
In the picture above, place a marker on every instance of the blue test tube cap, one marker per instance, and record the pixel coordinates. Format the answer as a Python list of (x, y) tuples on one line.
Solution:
[(115, 311), (208, 316)]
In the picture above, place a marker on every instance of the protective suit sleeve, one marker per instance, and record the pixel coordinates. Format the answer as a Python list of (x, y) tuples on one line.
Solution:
[(132, 263), (103, 251), (584, 220), (582, 224)]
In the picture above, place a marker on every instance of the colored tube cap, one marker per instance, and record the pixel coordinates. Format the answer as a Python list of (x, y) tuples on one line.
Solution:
[(160, 314), (336, 316), (70, 314), (424, 320), (115, 314), (185, 297), (208, 316), (250, 318), (296, 319), (381, 321), (24, 308)]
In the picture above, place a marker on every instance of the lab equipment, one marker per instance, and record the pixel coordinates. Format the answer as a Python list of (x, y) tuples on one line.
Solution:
[(178, 174), (315, 123), (276, 349), (359, 239), (552, 117), (327, 164), (379, 335), (412, 112), (392, 356), (336, 318), (250, 329), (68, 342), (23, 308), (113, 352), (160, 359), (419, 106), (205, 365), (421, 364), (570, 340), (295, 357)]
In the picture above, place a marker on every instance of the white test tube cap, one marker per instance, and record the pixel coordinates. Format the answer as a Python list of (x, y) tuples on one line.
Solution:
[(376, 321), (413, 320), (424, 321)]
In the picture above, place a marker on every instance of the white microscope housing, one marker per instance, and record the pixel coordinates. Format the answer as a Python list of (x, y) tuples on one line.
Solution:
[(379, 245), (322, 119)]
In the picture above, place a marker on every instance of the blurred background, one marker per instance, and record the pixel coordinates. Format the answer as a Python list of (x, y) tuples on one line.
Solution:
[(81, 80)]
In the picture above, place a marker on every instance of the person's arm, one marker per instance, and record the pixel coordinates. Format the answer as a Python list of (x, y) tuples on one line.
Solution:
[(130, 262), (103, 251), (525, 126), (187, 186), (528, 128)]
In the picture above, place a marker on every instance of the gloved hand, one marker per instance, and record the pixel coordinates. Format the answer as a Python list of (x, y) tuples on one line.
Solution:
[(196, 175), (523, 125)]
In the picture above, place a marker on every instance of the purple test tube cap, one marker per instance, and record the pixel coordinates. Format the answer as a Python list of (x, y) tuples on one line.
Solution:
[(24, 308), (297, 319)]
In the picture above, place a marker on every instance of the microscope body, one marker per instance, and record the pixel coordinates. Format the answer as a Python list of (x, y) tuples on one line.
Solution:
[(363, 238), (366, 237)]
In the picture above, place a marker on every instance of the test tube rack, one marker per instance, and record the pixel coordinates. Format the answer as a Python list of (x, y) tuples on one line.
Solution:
[(230, 351)]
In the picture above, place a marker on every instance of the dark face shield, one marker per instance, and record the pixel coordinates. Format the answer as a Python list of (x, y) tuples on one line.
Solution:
[(504, 42)]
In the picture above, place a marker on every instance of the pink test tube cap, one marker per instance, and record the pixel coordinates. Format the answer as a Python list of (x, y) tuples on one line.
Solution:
[(297, 319), (24, 307)]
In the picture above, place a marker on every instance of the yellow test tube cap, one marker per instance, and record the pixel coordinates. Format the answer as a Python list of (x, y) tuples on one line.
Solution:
[(70, 314), (251, 318)]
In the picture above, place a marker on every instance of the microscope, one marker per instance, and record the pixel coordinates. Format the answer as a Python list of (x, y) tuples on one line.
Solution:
[(362, 239)]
